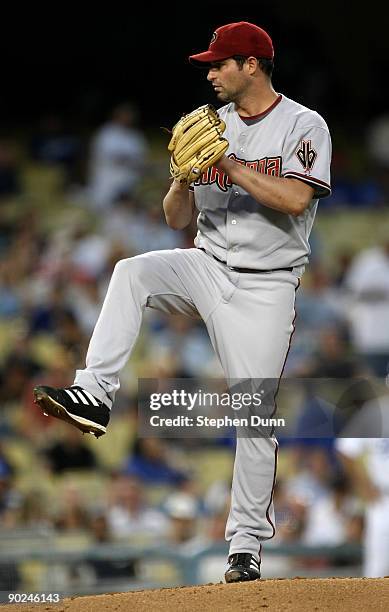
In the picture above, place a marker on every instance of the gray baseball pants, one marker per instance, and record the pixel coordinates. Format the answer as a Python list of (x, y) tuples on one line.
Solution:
[(249, 318)]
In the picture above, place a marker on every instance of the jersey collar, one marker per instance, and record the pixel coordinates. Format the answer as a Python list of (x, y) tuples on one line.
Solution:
[(255, 118)]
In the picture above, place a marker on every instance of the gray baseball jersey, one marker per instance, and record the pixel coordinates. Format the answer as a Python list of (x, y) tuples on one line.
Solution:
[(288, 140)]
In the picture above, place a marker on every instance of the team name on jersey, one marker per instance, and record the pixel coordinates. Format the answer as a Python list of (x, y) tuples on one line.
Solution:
[(266, 165)]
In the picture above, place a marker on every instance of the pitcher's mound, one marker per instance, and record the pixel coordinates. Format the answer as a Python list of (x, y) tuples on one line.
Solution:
[(297, 594)]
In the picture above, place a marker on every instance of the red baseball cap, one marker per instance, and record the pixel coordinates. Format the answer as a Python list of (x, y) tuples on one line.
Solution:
[(241, 38)]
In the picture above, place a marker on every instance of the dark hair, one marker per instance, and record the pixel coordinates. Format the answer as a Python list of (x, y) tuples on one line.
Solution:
[(266, 65)]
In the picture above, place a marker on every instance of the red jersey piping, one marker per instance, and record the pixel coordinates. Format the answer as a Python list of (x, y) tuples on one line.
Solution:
[(265, 112)]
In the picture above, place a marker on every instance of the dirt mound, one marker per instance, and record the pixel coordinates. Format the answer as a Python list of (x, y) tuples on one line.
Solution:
[(302, 594)]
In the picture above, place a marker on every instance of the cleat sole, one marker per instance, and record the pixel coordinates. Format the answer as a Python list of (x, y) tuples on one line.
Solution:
[(52, 408)]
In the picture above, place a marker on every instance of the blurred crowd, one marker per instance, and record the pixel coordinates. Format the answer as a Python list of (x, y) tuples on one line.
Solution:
[(58, 244)]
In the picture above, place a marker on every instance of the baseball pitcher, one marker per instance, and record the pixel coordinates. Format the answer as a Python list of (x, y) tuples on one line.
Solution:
[(253, 173)]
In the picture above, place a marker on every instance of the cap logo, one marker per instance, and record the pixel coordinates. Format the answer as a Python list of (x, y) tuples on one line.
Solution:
[(214, 37)]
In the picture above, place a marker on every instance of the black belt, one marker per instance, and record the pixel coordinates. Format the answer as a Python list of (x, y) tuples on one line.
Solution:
[(245, 270)]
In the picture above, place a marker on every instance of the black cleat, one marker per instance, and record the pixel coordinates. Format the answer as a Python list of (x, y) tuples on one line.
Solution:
[(242, 567), (76, 406)]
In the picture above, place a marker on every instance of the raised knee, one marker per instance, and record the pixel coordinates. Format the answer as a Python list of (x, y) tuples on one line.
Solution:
[(133, 266), (122, 265)]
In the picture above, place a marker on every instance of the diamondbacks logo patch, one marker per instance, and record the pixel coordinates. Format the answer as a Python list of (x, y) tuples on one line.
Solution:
[(306, 155), (214, 37)]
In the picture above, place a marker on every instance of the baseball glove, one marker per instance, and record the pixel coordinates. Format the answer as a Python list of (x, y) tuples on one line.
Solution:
[(196, 144)]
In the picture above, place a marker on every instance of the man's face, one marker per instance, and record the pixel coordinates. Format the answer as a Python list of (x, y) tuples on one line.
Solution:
[(228, 80)]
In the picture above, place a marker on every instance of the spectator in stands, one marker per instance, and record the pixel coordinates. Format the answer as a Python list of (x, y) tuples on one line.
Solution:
[(107, 568), (333, 357), (127, 223), (34, 510), (129, 515), (334, 519), (183, 512), (118, 156), (86, 301), (54, 144), (90, 251), (15, 375), (353, 186), (57, 316), (149, 462), (378, 149), (72, 514), (70, 335), (318, 308), (186, 338), (326, 407), (217, 497), (99, 526), (368, 283), (138, 227), (311, 475), (190, 532), (319, 418), (159, 235), (69, 453), (342, 265)]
